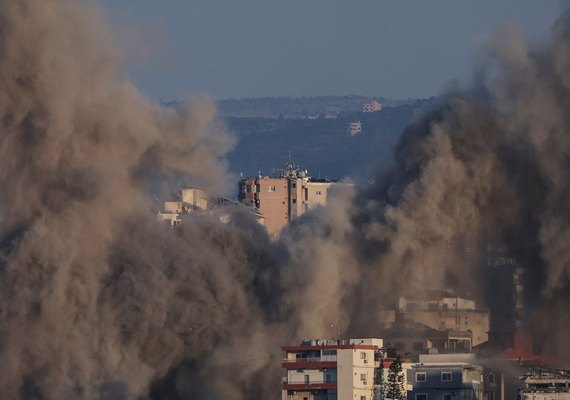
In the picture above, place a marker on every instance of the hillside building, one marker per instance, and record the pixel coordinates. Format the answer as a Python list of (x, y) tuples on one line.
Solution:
[(354, 128), (373, 106)]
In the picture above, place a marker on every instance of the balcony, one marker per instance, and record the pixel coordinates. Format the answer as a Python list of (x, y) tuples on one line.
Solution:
[(309, 363), (312, 385)]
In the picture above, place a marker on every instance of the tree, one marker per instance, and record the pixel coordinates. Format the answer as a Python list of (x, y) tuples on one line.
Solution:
[(395, 382)]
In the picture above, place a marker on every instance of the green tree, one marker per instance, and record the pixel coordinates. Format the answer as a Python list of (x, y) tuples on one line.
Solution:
[(395, 382)]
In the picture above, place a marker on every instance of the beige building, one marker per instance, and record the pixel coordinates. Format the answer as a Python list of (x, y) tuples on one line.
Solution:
[(279, 199), (371, 107), (331, 370), (443, 311), (192, 199), (187, 199)]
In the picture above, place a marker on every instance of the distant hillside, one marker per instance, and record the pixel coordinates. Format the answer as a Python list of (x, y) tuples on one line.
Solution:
[(321, 145), (296, 107)]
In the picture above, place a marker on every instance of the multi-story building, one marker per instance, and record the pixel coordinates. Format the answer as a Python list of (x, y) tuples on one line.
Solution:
[(279, 199), (505, 295), (543, 384), (413, 339), (446, 377), (331, 370), (444, 311), (371, 107)]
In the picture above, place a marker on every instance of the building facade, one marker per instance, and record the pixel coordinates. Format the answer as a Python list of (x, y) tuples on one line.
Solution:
[(443, 311), (545, 385), (331, 370), (279, 199), (441, 379)]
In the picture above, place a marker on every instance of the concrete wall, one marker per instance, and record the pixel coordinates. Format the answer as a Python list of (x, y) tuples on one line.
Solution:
[(195, 197), (352, 366)]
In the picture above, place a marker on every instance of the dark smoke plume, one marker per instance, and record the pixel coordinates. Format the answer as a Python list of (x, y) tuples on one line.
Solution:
[(98, 301)]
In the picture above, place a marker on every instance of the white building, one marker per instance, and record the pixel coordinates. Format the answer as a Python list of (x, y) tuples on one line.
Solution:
[(331, 370), (354, 128)]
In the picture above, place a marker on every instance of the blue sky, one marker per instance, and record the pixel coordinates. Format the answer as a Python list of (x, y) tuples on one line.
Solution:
[(252, 48)]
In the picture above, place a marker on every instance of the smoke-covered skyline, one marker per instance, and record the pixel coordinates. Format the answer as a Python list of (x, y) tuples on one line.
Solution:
[(99, 301)]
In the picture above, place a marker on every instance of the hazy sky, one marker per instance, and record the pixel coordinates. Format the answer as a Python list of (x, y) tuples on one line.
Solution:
[(246, 48)]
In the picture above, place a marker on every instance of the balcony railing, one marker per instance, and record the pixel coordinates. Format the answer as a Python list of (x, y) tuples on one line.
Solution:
[(303, 382), (310, 359)]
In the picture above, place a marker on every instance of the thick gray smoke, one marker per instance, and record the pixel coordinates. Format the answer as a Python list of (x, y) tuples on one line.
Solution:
[(98, 301)]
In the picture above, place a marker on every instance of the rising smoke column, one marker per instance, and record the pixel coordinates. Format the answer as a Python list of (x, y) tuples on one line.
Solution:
[(96, 300), (489, 165)]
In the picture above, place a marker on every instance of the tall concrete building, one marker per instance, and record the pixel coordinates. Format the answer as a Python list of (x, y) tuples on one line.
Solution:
[(505, 295), (279, 199)]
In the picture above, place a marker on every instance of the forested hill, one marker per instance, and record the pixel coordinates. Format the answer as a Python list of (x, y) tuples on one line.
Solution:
[(297, 107), (322, 146)]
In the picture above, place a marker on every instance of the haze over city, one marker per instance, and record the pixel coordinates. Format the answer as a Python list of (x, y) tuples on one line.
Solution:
[(257, 48), (305, 200)]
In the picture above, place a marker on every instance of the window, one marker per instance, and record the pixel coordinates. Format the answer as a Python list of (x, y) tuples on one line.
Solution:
[(446, 377), (420, 377), (328, 378), (294, 201), (363, 377), (271, 188), (363, 356), (362, 397), (318, 193), (446, 396), (294, 185), (421, 396), (307, 379)]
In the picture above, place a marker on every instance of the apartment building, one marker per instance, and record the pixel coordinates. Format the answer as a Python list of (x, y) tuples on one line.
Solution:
[(445, 311), (446, 377), (279, 199), (545, 384), (332, 370)]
